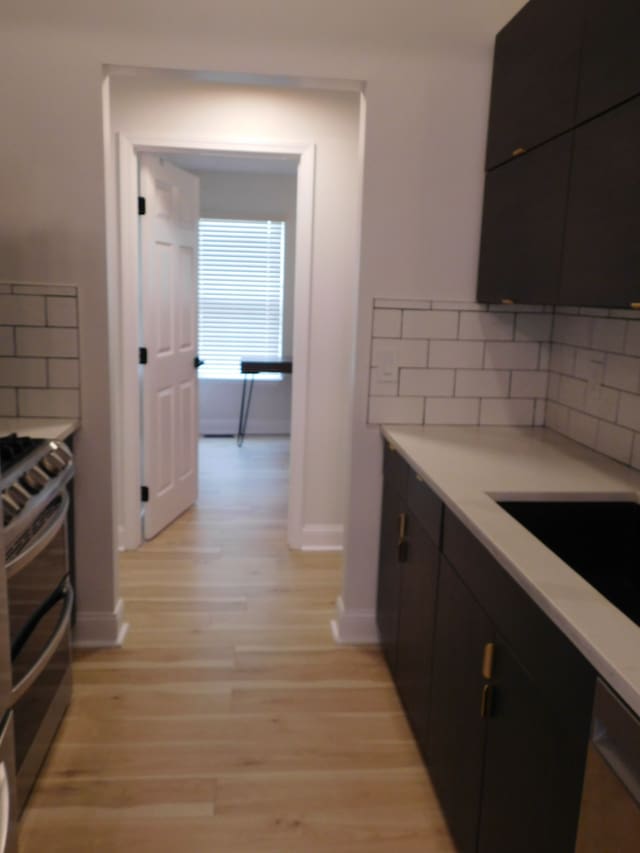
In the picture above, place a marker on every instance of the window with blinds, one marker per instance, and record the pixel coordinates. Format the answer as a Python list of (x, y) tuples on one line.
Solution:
[(240, 294)]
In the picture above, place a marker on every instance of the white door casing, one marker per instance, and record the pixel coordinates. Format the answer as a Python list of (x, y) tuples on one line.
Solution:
[(169, 301)]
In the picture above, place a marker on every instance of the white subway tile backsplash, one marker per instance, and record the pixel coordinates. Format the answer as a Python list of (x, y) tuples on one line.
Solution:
[(632, 343), (582, 428), (529, 383), (396, 410), (22, 310), (629, 411), (533, 327), (557, 417), (62, 311), (572, 392), (459, 411), (426, 382), (563, 359), (482, 383), (433, 325), (574, 331), (38, 351), (615, 441), (8, 403), (48, 402), (622, 372), (378, 386), (575, 370), (7, 346), (512, 356), (456, 353), (64, 373), (387, 323), (58, 343), (486, 327), (459, 306), (406, 353), (506, 412), (423, 304), (609, 334), (602, 402), (23, 372)]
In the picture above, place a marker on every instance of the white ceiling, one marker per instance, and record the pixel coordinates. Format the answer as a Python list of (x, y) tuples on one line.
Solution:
[(263, 164)]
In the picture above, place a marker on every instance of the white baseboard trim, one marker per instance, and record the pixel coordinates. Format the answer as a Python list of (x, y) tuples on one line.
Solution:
[(98, 629), (229, 426), (354, 627), (322, 537)]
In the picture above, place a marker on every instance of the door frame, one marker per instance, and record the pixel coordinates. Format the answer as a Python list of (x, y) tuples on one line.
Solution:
[(126, 343)]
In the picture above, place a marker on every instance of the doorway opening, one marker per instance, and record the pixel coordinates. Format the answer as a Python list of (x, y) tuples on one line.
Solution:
[(296, 161)]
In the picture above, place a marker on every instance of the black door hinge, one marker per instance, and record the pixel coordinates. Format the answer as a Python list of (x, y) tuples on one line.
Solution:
[(142, 355), (142, 205), (144, 494)]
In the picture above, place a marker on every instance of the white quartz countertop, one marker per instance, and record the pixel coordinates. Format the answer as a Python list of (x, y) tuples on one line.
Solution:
[(52, 428), (472, 467)]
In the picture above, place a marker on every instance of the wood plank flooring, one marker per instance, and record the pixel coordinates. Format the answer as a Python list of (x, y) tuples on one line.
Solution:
[(230, 721)]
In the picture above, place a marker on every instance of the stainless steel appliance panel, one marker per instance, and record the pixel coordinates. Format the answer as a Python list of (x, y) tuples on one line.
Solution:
[(610, 812)]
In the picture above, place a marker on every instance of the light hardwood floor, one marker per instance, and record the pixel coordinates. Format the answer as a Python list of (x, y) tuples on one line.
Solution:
[(230, 721)]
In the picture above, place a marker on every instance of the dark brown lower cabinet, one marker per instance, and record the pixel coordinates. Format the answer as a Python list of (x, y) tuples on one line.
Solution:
[(416, 627), (498, 698), (457, 729), (530, 798), (394, 506)]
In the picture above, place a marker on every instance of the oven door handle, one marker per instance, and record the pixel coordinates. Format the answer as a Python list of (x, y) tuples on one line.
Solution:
[(66, 592), (41, 541)]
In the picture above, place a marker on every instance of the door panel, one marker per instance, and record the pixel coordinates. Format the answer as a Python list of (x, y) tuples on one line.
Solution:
[(169, 309)]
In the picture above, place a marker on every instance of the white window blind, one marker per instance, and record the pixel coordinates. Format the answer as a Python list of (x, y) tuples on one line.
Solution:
[(240, 293)]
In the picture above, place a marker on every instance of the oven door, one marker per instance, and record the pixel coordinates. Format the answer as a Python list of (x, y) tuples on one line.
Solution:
[(40, 608)]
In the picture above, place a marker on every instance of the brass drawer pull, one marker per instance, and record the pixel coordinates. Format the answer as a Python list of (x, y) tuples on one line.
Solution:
[(486, 701), (518, 151), (635, 306), (487, 660), (506, 302)]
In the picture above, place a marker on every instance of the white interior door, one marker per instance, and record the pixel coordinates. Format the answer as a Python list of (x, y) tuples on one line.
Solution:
[(169, 295)]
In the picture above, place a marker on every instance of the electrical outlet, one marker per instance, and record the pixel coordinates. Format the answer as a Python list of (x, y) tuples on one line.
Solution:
[(387, 365)]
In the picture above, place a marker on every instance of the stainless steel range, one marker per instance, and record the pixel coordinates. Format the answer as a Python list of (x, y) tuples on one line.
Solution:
[(35, 501)]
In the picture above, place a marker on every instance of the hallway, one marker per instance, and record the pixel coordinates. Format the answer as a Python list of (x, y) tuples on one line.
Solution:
[(230, 721)]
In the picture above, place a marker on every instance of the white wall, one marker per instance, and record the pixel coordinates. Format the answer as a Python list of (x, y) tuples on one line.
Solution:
[(426, 66), (173, 107), (247, 195)]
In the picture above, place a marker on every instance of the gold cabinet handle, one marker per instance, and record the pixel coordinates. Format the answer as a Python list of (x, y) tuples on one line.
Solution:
[(635, 306), (506, 302), (518, 151), (487, 660), (486, 701)]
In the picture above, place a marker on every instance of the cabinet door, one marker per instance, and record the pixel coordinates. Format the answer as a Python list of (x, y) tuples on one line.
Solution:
[(602, 249), (523, 224), (416, 627), (610, 71), (535, 77), (533, 771), (394, 506), (456, 727)]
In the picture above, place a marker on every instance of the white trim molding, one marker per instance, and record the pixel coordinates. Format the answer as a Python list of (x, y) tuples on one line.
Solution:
[(322, 537), (124, 336), (354, 627), (94, 630)]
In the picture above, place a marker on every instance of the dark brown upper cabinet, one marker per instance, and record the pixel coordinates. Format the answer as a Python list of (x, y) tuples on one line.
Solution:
[(610, 70), (535, 77), (602, 245), (523, 224)]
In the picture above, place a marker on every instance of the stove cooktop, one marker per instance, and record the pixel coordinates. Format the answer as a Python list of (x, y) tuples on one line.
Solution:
[(15, 448)]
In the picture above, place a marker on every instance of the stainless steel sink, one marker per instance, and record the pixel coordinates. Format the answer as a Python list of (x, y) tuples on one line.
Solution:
[(599, 540)]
